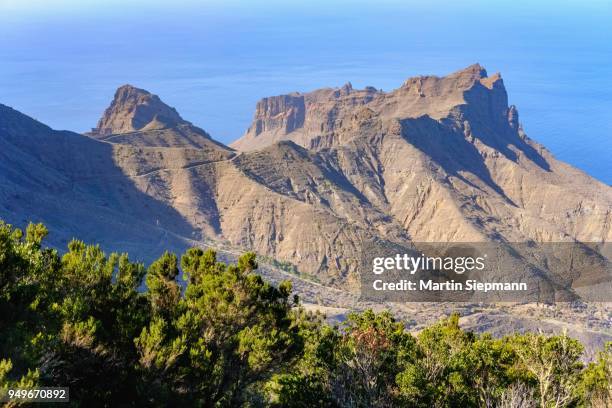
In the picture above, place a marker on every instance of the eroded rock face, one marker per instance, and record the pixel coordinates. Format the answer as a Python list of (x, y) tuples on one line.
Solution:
[(279, 112), (326, 111), (301, 117), (136, 117), (134, 109)]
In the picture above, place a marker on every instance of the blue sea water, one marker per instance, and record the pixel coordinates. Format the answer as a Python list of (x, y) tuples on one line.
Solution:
[(61, 60)]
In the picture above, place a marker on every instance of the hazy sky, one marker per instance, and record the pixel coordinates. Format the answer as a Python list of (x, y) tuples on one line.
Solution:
[(60, 61)]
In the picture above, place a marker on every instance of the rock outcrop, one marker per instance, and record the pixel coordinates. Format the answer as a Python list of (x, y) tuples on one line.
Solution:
[(138, 118), (279, 112), (301, 117), (134, 109)]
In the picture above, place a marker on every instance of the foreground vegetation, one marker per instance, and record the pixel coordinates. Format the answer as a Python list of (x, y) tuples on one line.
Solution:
[(227, 338)]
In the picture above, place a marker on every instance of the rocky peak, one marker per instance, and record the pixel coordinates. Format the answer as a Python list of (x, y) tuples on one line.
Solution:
[(486, 99), (134, 109), (469, 94), (473, 72)]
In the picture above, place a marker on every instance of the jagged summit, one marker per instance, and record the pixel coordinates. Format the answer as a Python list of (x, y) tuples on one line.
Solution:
[(322, 114), (476, 71), (139, 118), (134, 109), (465, 77)]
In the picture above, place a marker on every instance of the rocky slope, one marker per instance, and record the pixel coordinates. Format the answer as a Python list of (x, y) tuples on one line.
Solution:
[(444, 158), (82, 187), (325, 174), (319, 178)]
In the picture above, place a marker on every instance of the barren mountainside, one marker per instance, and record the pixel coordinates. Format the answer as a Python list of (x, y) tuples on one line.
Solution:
[(445, 159), (318, 179), (317, 176)]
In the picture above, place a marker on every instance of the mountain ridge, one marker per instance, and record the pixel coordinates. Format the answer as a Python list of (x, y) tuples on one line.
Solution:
[(324, 109), (438, 159)]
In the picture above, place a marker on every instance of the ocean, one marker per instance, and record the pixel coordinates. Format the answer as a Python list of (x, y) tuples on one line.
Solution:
[(61, 60)]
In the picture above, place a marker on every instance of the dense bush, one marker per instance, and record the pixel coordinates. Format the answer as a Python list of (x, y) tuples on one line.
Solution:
[(228, 338)]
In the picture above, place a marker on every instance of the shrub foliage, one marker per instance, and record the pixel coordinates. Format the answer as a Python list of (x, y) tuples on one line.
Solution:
[(120, 334)]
